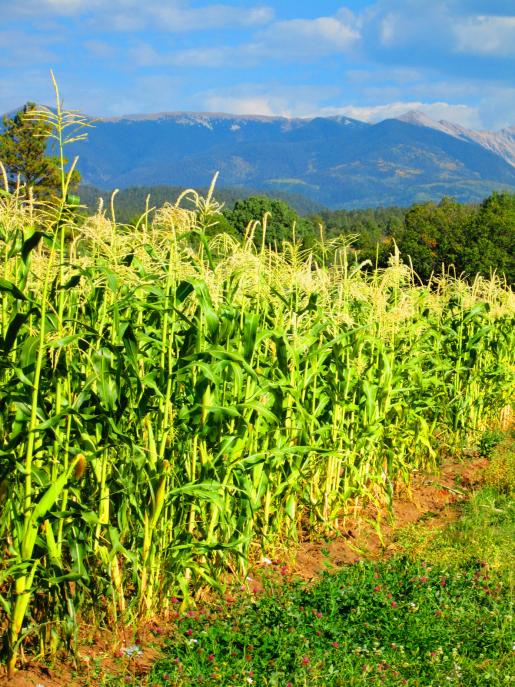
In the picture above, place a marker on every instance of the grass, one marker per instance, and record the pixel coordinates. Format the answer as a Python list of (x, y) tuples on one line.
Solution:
[(486, 527), (400, 622), (485, 531)]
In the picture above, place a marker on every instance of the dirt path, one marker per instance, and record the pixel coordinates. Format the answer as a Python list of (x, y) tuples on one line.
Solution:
[(431, 499)]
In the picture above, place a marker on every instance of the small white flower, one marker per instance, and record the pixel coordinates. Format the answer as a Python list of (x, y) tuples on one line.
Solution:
[(266, 561), (132, 650)]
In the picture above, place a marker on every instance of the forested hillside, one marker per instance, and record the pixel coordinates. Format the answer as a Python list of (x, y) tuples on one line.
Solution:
[(131, 202)]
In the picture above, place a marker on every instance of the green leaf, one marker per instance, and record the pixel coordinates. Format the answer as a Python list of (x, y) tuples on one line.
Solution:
[(13, 329), (9, 287), (31, 243)]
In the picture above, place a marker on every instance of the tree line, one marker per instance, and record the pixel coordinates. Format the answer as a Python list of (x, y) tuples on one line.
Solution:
[(475, 239)]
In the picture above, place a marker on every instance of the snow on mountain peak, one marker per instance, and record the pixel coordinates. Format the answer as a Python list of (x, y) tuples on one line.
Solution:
[(499, 142)]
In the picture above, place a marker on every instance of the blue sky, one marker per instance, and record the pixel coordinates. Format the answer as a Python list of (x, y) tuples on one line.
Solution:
[(452, 59)]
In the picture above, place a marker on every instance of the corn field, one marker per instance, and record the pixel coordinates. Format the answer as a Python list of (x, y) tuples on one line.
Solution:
[(172, 403)]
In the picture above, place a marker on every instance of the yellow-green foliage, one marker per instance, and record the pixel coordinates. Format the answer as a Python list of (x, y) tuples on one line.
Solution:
[(168, 399), (500, 472), (484, 532)]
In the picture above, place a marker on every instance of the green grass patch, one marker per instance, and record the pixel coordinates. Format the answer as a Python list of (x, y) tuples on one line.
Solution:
[(439, 614), (397, 623), (500, 472), (485, 532), (486, 528)]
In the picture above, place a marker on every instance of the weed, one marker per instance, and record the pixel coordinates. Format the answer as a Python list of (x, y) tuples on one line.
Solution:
[(488, 441), (392, 623), (500, 472)]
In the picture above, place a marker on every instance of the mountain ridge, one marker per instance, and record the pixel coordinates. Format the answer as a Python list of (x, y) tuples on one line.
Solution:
[(501, 141), (335, 161)]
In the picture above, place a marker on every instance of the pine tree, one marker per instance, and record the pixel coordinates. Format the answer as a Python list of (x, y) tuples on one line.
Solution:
[(24, 154)]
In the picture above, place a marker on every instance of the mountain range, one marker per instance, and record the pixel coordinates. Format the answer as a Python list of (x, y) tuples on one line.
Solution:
[(338, 162)]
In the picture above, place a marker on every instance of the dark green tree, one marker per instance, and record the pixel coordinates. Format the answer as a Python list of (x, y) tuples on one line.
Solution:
[(491, 238), (435, 235), (24, 154), (280, 224)]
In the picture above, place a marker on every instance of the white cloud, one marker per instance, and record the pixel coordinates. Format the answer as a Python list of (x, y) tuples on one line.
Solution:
[(306, 37), (14, 52), (388, 29), (277, 100), (145, 55), (100, 49), (391, 26), (176, 16), (120, 20), (69, 6), (458, 114), (56, 8), (245, 105), (446, 27), (486, 35), (297, 39)]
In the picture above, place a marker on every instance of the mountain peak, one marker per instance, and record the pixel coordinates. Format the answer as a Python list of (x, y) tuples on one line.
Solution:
[(189, 116), (501, 143), (417, 117)]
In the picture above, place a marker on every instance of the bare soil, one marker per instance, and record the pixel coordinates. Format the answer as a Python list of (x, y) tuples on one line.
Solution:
[(431, 499)]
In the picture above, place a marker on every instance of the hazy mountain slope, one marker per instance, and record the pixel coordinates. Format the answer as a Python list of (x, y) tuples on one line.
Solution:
[(335, 161), (187, 149), (500, 142), (397, 163)]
